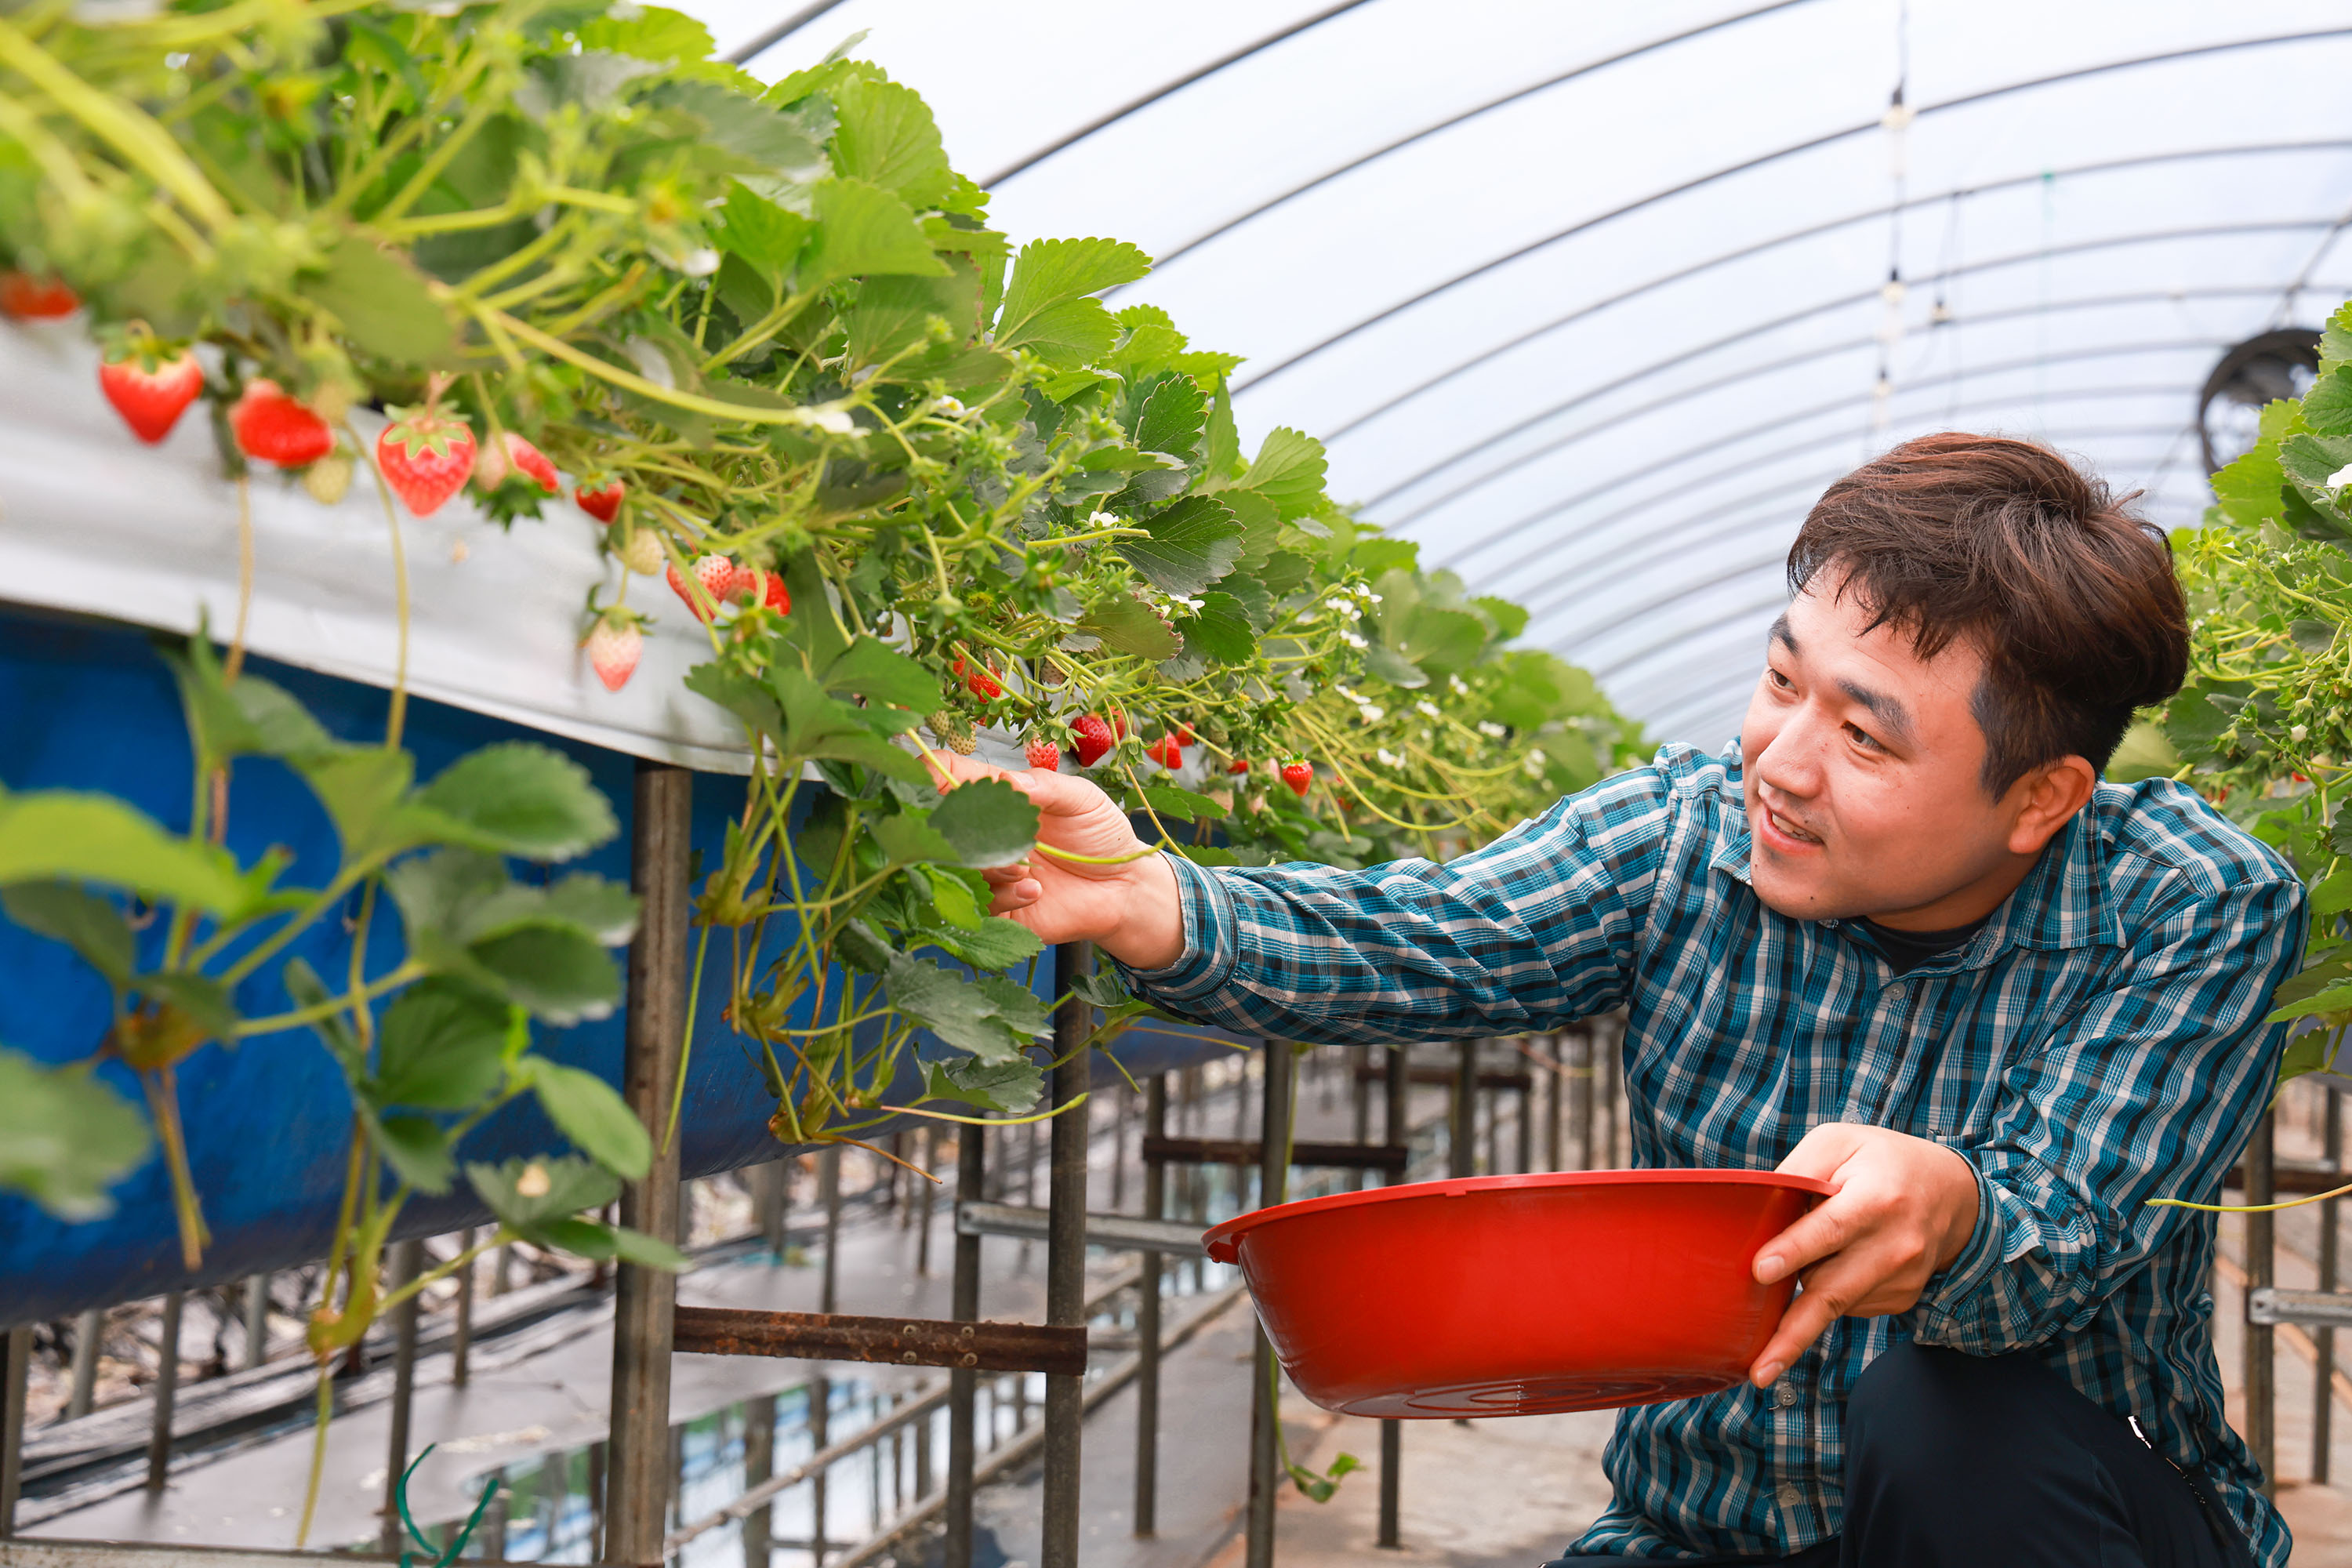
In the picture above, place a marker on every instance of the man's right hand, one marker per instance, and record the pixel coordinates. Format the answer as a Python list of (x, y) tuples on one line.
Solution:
[(1121, 896)]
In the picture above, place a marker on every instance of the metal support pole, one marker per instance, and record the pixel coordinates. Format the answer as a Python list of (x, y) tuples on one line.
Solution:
[(2262, 1404), (461, 1349), (1582, 1096), (1398, 1091), (926, 1191), (15, 1385), (637, 1478), (758, 1464), (407, 1262), (1526, 1098), (89, 1335), (257, 1319), (1614, 1055), (1363, 1088), (1147, 1322), (1462, 1152), (1265, 1414), (1553, 1097), (2322, 1412), (167, 1389), (1121, 1104), (971, 1167), (820, 1387), (1066, 1251)]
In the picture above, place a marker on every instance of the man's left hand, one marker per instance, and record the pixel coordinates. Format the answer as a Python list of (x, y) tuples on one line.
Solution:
[(1902, 1209)]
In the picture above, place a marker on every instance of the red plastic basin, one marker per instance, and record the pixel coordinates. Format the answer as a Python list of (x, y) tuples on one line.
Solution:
[(1519, 1295)]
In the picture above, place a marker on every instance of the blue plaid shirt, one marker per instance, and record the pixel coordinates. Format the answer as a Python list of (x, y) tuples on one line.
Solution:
[(2098, 1043)]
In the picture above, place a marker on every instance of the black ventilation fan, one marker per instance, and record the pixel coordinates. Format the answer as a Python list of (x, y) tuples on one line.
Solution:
[(2260, 370)]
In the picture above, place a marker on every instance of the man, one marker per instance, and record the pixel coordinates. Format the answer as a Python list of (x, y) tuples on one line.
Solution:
[(1903, 939)]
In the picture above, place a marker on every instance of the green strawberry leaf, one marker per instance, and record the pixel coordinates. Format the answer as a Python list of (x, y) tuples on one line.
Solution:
[(65, 1136)]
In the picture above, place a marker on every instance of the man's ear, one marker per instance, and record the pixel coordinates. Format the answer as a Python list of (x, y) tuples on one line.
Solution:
[(2045, 799)]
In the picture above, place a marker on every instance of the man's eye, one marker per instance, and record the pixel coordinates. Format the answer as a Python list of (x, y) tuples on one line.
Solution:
[(1863, 738), (1780, 681)]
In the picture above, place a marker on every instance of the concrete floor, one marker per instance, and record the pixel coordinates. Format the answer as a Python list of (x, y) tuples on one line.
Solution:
[(1503, 1493)]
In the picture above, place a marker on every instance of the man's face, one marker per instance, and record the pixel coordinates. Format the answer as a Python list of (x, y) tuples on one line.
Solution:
[(1863, 773)]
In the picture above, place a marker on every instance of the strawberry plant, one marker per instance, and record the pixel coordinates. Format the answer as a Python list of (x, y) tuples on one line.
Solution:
[(917, 487), (2265, 725)]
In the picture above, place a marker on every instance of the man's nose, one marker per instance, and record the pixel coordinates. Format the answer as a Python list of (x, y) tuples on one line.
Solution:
[(1791, 765)]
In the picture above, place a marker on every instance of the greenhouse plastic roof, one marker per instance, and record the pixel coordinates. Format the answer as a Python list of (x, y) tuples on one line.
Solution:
[(1595, 301)]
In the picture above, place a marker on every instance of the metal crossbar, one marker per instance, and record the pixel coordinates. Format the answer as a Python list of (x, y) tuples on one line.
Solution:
[(1248, 1152), (905, 1342), (1123, 1231), (2307, 1308)]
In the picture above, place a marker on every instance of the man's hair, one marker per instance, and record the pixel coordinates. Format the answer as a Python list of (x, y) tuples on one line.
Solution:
[(2006, 546)]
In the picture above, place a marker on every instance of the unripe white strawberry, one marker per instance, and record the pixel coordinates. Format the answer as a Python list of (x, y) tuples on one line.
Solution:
[(642, 552), (614, 646)]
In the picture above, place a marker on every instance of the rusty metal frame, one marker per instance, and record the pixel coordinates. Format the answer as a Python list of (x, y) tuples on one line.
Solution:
[(903, 1342)]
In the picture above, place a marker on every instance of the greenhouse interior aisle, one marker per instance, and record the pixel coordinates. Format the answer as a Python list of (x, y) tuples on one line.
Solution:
[(533, 1411)]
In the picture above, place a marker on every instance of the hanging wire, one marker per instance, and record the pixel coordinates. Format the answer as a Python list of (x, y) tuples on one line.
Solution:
[(2041, 306), (1896, 123)]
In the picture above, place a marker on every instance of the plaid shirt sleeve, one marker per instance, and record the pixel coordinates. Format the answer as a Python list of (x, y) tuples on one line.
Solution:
[(2150, 1091), (1534, 931)]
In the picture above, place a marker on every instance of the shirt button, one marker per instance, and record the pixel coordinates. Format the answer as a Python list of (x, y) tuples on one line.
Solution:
[(1789, 1494), (1831, 922), (1787, 1396), (1895, 992)]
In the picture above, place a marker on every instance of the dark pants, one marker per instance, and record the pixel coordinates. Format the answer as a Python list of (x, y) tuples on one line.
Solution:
[(1960, 1461)]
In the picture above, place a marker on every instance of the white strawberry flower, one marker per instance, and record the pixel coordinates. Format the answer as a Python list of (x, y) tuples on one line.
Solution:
[(832, 421), (1101, 519), (699, 263), (1456, 683), (1427, 709), (1346, 692), (952, 408), (1353, 641), (2340, 478), (1388, 758), (1534, 763), (1491, 729), (1372, 712), (1338, 605), (2298, 733)]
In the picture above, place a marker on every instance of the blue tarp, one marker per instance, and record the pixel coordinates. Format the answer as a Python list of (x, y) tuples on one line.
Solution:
[(89, 706)]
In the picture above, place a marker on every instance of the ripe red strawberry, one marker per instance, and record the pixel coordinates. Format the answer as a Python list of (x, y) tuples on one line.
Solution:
[(1119, 722), (509, 455), (1043, 755), (1093, 739), (1238, 766), (26, 297), (777, 595), (1164, 752), (615, 644), (1298, 776), (275, 428), (1184, 736), (151, 392), (717, 575), (980, 680), (602, 504), (426, 457)]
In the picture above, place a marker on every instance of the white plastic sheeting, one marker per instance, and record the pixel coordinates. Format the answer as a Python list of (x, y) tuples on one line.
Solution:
[(1600, 344), (92, 521)]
